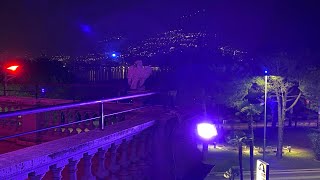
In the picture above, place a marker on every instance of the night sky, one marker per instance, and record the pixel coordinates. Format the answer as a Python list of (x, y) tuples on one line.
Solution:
[(74, 27)]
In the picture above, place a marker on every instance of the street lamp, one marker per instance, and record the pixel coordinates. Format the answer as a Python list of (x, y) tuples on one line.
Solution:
[(13, 68), (265, 113), (207, 131), (9, 73)]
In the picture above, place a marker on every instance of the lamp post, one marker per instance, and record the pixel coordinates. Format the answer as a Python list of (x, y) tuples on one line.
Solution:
[(265, 113), (8, 75), (207, 131)]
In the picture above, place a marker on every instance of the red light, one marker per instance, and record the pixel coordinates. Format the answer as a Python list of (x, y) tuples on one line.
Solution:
[(13, 68)]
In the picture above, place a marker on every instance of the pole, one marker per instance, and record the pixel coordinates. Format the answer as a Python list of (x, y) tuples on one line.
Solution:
[(265, 116), (5, 84), (102, 117)]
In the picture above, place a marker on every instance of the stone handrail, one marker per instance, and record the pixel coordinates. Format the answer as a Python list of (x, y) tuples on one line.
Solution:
[(35, 161)]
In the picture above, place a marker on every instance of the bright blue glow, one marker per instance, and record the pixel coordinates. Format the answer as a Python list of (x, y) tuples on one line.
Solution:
[(85, 28), (43, 90), (113, 55), (266, 72)]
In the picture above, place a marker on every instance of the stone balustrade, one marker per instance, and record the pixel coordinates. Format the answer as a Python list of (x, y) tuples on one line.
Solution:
[(14, 125), (119, 151)]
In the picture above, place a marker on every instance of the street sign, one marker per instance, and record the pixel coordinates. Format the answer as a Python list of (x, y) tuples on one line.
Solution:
[(262, 171)]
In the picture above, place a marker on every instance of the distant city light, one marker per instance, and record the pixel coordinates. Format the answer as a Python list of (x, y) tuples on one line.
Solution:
[(166, 42), (207, 130)]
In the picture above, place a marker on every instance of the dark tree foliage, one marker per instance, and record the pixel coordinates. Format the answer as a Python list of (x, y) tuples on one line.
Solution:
[(43, 70)]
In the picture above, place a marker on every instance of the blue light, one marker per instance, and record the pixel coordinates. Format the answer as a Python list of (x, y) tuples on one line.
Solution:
[(85, 28), (43, 90), (266, 72), (113, 55)]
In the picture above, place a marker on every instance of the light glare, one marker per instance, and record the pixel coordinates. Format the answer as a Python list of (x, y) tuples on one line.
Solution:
[(13, 68), (206, 130)]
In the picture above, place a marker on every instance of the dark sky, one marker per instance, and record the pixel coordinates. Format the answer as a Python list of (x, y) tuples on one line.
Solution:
[(73, 27)]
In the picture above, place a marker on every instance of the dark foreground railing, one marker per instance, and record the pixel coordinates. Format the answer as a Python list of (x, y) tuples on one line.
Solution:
[(101, 117), (126, 146)]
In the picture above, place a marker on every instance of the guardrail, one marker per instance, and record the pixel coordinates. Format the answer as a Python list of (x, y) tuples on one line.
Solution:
[(72, 105)]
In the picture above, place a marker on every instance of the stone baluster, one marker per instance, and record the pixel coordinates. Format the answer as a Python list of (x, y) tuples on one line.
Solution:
[(87, 159), (60, 131), (124, 162), (69, 130), (91, 125), (66, 131), (74, 130), (33, 176), (133, 169), (149, 152), (56, 172), (102, 172), (149, 146), (73, 163), (114, 167), (142, 155), (57, 169), (38, 174), (141, 149)]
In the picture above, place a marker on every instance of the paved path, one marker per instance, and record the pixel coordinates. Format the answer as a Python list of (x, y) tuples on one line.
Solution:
[(239, 126), (293, 174)]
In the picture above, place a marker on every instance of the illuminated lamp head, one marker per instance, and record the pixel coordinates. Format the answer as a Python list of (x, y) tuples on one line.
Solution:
[(207, 131)]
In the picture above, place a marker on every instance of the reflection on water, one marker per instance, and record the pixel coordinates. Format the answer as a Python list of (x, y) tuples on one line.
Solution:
[(113, 73)]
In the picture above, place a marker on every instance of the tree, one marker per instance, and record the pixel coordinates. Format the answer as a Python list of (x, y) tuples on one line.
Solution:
[(283, 85), (315, 140), (44, 70), (250, 110), (237, 139), (310, 86)]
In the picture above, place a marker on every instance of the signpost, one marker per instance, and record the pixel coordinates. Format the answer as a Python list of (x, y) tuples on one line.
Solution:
[(262, 171)]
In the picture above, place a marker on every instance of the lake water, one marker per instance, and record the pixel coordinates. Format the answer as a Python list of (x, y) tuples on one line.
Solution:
[(100, 74)]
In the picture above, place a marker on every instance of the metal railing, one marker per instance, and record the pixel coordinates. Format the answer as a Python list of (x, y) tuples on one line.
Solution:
[(72, 105)]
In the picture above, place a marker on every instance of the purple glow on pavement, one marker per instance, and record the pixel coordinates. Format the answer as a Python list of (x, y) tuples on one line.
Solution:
[(207, 130)]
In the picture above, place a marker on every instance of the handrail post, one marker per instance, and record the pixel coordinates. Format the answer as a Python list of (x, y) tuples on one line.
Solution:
[(102, 116)]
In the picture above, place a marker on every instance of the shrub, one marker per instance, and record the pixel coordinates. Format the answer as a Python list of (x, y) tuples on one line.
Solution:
[(315, 140)]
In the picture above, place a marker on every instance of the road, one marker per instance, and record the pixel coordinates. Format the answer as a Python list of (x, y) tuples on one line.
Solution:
[(296, 174)]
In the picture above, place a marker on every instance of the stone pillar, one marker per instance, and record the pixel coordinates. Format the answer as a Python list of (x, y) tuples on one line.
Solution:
[(141, 148), (56, 171), (148, 146), (114, 167), (161, 159), (33, 176), (148, 152), (124, 162), (102, 172), (38, 174), (133, 169), (87, 158), (73, 169), (141, 155)]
